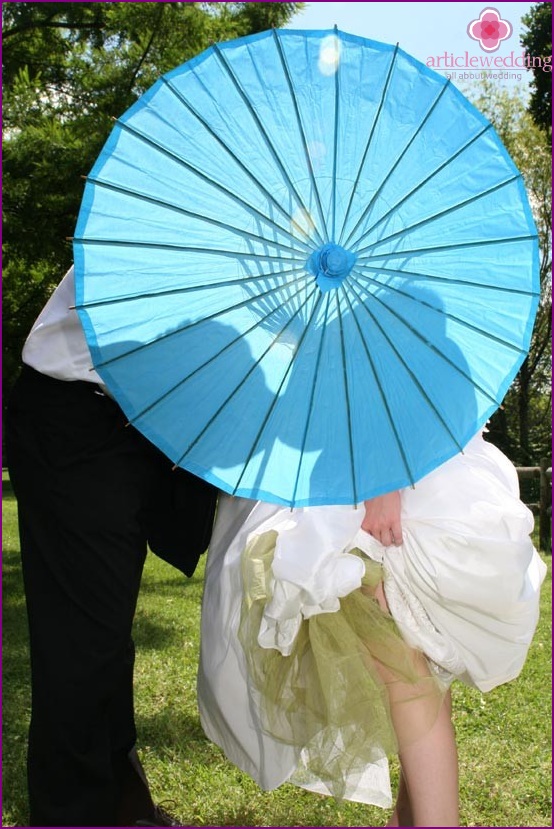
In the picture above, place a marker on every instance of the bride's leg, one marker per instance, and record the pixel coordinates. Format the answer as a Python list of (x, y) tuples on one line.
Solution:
[(430, 769), (428, 793), (402, 815)]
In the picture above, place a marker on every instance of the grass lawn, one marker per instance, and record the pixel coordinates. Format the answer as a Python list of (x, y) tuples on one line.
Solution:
[(504, 736)]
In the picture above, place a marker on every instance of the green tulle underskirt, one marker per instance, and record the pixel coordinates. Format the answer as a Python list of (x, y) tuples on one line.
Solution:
[(351, 693)]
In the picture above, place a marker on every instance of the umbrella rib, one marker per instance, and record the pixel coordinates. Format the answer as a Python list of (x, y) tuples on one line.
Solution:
[(426, 180), (454, 246), (206, 319), (276, 396), (430, 345), (447, 211), (426, 117), (447, 280), (127, 191), (235, 254), (240, 163), (423, 392), (369, 140), (311, 401), (254, 366), (203, 176), (347, 399), (211, 359), (444, 313), (335, 143), (286, 72), (225, 283), (263, 133), (381, 390)]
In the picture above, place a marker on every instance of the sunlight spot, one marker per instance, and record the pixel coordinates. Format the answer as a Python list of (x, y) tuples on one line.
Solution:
[(302, 223), (329, 55)]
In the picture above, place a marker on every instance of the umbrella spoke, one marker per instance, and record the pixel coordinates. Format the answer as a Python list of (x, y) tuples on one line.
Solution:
[(368, 142), (442, 312), (294, 99), (276, 396), (311, 401), (446, 212), (421, 389), (234, 254), (224, 283), (428, 344), (254, 366), (335, 147), (347, 400), (424, 181), (455, 246), (136, 194), (420, 126), (253, 178), (215, 315), (445, 279), (234, 196), (380, 387), (264, 134)]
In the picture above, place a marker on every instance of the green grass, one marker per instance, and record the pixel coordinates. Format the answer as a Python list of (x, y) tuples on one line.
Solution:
[(504, 736)]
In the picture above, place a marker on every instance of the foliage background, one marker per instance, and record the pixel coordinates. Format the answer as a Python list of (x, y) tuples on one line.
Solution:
[(69, 69), (522, 427)]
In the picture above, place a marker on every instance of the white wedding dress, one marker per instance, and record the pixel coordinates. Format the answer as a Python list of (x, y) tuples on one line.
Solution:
[(463, 588)]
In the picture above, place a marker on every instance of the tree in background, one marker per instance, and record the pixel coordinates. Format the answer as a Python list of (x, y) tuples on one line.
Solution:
[(522, 428), (537, 42), (68, 70)]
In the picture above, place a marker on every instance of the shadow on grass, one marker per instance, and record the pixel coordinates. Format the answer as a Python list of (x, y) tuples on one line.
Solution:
[(170, 727), (148, 634), (7, 490), (16, 702), (15, 638), (172, 585), (176, 582)]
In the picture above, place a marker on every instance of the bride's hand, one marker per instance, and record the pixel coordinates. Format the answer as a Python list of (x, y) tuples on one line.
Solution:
[(382, 519)]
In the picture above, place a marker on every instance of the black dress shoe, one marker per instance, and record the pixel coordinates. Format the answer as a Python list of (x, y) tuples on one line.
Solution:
[(136, 807)]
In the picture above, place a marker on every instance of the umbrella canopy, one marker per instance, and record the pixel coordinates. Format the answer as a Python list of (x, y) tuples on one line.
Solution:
[(306, 267)]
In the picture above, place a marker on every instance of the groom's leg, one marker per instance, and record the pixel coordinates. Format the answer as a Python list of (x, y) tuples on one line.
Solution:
[(80, 478)]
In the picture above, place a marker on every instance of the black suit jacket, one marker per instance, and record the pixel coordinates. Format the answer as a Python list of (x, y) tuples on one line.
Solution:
[(179, 524)]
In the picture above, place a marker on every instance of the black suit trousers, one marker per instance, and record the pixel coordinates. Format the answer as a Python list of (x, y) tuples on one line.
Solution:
[(89, 491)]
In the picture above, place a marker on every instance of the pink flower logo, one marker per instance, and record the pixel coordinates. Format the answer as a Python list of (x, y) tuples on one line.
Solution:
[(490, 30)]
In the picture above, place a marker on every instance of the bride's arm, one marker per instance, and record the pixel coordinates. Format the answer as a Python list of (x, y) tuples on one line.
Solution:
[(382, 518)]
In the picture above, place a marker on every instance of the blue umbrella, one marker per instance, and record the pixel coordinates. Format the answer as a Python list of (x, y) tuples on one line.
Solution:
[(306, 267)]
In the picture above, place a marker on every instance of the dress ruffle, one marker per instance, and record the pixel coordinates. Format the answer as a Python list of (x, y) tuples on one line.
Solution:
[(329, 690), (462, 589)]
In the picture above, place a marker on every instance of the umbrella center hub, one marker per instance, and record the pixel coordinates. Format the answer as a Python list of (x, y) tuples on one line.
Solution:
[(330, 264)]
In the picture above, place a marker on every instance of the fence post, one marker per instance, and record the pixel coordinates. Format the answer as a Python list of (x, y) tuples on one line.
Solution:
[(544, 505)]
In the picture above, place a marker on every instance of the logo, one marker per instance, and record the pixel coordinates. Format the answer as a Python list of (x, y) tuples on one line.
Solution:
[(489, 30)]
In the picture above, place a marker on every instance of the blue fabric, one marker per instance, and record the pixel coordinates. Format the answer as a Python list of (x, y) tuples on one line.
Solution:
[(306, 267)]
